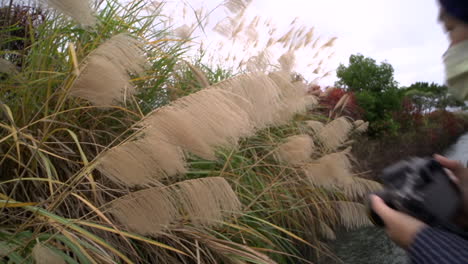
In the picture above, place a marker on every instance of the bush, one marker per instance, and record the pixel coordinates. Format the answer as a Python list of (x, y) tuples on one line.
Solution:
[(349, 107)]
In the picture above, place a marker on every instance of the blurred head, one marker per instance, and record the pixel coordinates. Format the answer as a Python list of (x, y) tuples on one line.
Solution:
[(454, 17)]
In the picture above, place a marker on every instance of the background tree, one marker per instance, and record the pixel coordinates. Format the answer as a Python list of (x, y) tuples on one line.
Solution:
[(428, 97), (364, 74), (376, 91)]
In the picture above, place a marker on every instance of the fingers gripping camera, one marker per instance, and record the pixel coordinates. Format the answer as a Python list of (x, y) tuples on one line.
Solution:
[(420, 188)]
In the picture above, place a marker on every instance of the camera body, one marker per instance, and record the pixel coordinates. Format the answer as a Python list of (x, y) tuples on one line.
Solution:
[(420, 188)]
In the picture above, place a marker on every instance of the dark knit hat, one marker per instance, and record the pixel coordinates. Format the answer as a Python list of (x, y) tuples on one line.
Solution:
[(456, 8)]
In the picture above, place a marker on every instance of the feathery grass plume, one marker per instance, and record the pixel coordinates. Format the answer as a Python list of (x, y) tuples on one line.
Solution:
[(353, 215), (179, 129), (251, 30), (142, 162), (44, 255), (236, 6), (199, 75), (342, 103), (224, 28), (358, 123), (207, 201), (335, 133), (210, 116), (287, 61), (329, 43), (257, 94), (146, 212), (332, 170), (238, 29), (166, 156), (203, 202), (184, 31), (360, 187), (294, 97), (326, 231), (7, 67), (104, 77), (80, 11), (210, 109), (316, 126), (196, 124), (228, 25), (296, 150), (361, 126), (260, 62)]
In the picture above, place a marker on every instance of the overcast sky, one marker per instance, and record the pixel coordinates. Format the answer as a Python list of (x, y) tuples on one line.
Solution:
[(403, 32)]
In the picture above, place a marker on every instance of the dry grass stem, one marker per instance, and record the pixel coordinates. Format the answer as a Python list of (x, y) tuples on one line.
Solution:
[(104, 77), (226, 248)]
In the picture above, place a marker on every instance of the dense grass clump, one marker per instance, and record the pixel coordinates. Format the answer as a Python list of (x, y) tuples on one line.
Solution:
[(116, 147)]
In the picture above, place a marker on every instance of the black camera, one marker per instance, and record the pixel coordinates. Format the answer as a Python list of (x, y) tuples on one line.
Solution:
[(420, 188)]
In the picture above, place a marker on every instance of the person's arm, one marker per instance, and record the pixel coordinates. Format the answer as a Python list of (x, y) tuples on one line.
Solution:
[(434, 246)]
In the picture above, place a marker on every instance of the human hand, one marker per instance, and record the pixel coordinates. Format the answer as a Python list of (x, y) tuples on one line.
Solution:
[(401, 228), (459, 174)]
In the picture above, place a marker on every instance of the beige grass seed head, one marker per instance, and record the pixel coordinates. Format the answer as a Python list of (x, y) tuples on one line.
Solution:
[(335, 133), (208, 201), (147, 212), (44, 255), (202, 202), (80, 11), (296, 150), (143, 162), (332, 170), (104, 77), (7, 67)]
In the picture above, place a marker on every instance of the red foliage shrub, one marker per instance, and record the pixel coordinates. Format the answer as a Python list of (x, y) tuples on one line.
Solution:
[(445, 122), (409, 117), (334, 96)]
